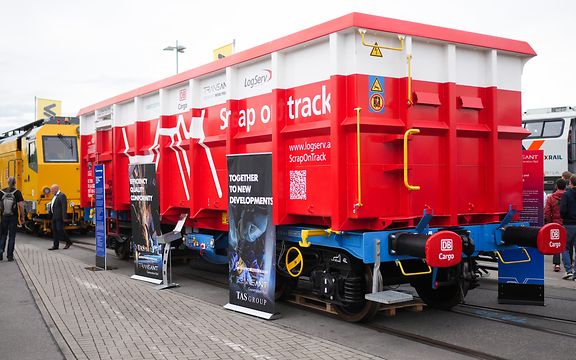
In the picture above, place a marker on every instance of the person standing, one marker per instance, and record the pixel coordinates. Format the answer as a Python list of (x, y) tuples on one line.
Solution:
[(11, 203), (58, 210), (568, 213), (552, 213)]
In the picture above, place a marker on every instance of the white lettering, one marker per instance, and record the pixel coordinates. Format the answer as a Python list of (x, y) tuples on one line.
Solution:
[(265, 114), (224, 116), (309, 106), (447, 257)]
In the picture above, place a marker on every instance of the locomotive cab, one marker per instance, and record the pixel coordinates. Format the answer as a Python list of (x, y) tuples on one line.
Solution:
[(40, 154)]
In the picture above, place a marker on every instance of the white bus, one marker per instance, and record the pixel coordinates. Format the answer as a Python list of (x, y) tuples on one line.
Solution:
[(552, 130)]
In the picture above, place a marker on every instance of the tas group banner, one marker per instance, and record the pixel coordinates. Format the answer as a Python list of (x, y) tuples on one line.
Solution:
[(252, 237), (145, 210)]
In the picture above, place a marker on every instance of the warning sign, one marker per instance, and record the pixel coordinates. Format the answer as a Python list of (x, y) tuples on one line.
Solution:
[(376, 102), (376, 85), (376, 51), (376, 94)]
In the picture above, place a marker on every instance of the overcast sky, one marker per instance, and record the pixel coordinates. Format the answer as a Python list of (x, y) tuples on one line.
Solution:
[(82, 52)]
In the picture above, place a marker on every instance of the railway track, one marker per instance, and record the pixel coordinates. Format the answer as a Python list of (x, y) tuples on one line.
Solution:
[(432, 342), (519, 319), (495, 289)]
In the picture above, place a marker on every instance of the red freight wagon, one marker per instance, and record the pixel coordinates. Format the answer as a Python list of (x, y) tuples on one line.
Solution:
[(377, 127)]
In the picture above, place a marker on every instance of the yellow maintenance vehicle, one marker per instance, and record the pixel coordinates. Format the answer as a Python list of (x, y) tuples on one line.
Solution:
[(40, 154)]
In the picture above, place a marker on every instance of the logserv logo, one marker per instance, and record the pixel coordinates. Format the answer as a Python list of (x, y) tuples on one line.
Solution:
[(259, 79)]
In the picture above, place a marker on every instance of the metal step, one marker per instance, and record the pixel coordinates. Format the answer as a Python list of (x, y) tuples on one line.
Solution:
[(389, 297)]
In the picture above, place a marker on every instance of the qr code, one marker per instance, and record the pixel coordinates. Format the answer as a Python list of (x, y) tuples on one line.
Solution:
[(297, 184)]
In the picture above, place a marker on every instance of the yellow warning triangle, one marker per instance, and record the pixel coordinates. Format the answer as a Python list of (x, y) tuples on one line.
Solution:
[(376, 51), (376, 86)]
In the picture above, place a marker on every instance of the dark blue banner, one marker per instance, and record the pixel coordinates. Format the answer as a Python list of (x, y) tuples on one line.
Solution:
[(252, 237), (145, 221), (100, 216)]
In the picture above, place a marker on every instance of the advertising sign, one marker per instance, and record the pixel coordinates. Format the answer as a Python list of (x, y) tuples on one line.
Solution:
[(521, 271), (99, 181), (145, 211), (533, 187), (46, 108), (252, 237)]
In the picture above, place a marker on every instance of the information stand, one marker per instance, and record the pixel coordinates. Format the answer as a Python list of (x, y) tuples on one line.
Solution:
[(100, 219)]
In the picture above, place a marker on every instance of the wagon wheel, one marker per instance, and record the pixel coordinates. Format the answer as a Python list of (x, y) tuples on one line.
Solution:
[(284, 286), (122, 249), (360, 311), (444, 297)]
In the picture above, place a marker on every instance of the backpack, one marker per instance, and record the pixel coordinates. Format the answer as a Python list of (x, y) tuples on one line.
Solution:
[(8, 203)]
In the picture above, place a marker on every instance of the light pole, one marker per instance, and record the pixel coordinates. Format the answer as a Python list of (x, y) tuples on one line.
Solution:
[(178, 49)]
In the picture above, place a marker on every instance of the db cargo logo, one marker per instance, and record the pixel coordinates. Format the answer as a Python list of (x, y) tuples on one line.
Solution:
[(183, 99), (258, 79), (183, 95), (555, 234), (446, 245)]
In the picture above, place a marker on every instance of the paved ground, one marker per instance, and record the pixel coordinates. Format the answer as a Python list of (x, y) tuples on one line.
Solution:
[(23, 331), (106, 315), (103, 315)]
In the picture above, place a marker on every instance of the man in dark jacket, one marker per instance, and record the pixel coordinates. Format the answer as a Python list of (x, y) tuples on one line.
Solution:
[(58, 210), (568, 213), (10, 209)]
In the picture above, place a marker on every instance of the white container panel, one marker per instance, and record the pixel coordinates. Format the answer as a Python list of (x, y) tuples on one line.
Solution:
[(510, 72), (210, 91), (472, 67), (149, 107), (254, 79), (88, 124), (306, 64), (176, 99), (391, 64), (343, 52), (125, 114), (429, 61)]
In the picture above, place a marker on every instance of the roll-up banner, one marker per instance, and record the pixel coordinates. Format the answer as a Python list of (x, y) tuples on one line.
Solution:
[(145, 211), (99, 181), (252, 236), (521, 271)]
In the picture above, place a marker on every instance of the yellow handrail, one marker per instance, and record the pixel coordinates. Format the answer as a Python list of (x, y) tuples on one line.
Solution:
[(304, 234), (528, 258), (359, 203), (399, 264), (406, 136), (400, 48), (400, 37)]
